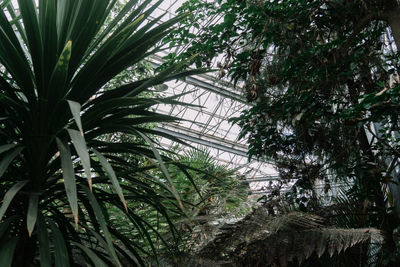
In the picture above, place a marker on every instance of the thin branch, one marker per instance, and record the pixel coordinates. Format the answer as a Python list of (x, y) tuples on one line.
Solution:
[(384, 142)]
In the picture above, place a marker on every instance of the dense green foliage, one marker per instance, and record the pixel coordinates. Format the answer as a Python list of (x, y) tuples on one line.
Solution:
[(218, 190), (212, 193), (62, 158), (322, 80)]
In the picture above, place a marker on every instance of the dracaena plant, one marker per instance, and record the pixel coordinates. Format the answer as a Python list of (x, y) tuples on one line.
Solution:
[(59, 171)]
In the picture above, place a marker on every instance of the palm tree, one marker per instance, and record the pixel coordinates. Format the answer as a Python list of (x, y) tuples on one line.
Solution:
[(56, 58)]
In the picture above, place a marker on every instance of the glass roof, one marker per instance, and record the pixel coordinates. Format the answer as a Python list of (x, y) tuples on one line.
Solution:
[(206, 123)]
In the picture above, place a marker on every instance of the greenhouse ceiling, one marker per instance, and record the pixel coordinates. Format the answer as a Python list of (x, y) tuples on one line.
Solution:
[(205, 124)]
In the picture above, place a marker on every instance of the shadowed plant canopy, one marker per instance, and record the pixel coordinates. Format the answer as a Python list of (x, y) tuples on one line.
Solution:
[(322, 79), (59, 172), (288, 239), (284, 240)]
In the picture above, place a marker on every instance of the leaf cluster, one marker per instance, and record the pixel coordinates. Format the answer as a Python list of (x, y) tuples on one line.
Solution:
[(61, 104)]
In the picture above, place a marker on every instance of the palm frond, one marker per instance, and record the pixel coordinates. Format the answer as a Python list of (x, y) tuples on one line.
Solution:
[(260, 239)]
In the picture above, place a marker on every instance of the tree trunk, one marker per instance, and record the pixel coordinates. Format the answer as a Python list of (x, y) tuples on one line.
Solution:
[(389, 246)]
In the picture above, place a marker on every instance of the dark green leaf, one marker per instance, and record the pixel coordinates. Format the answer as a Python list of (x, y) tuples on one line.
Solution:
[(60, 249), (75, 108), (44, 242), (8, 158), (4, 148), (80, 146), (111, 174), (102, 222), (92, 256), (32, 213), (7, 250), (8, 197), (69, 176)]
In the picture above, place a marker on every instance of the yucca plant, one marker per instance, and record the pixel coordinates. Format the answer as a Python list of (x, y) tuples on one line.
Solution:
[(59, 172)]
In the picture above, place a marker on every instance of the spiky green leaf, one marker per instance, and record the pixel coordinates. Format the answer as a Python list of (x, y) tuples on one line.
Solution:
[(8, 197), (8, 158), (32, 213), (69, 176)]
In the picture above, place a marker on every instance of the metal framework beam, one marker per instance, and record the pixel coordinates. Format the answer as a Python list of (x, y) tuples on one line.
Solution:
[(204, 84), (287, 189), (204, 139), (263, 179)]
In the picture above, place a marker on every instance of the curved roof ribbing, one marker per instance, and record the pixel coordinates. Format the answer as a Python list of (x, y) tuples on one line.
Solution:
[(206, 124)]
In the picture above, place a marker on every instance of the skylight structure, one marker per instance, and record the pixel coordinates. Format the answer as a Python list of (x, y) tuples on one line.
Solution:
[(205, 124)]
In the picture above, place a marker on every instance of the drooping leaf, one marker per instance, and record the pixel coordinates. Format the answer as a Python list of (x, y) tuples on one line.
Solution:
[(80, 146), (75, 108), (32, 212), (44, 242), (8, 158), (4, 225), (69, 176), (60, 249), (7, 250), (103, 224), (111, 174), (8, 197), (92, 256), (164, 170), (4, 148)]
